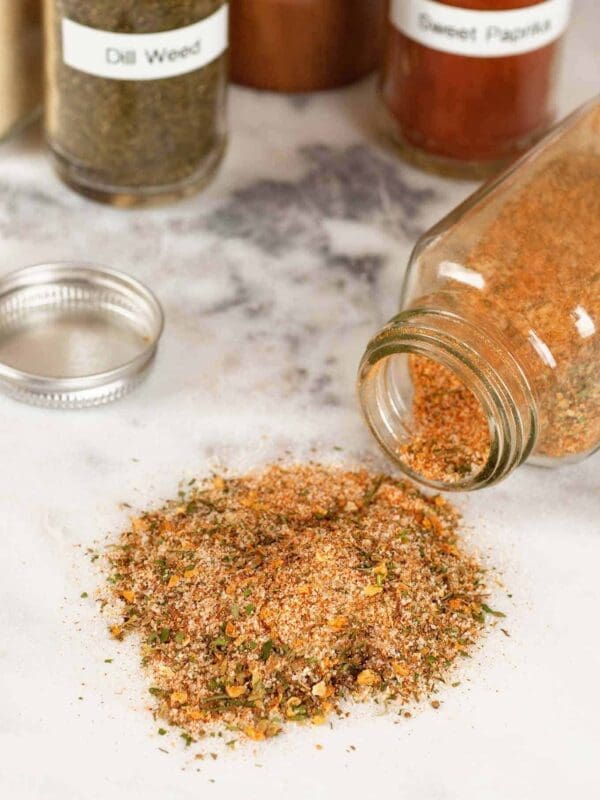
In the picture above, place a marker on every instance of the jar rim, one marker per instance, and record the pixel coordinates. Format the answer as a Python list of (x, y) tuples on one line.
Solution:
[(498, 384)]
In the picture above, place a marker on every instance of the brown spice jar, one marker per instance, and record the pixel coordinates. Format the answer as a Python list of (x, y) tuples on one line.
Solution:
[(20, 63), (304, 45)]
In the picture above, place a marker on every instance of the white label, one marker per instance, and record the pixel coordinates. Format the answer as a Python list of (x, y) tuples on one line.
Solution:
[(145, 56), (485, 34)]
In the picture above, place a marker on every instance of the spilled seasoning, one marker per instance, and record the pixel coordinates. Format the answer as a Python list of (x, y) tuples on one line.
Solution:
[(270, 598)]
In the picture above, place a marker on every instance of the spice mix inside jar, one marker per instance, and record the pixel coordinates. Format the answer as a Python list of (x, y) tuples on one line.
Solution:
[(495, 357), (136, 95), (469, 84)]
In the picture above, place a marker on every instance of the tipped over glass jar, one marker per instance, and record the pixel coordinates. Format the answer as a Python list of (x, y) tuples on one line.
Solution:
[(495, 358)]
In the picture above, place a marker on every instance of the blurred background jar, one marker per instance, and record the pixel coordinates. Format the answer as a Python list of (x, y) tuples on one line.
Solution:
[(20, 63), (469, 84), (305, 45), (136, 89)]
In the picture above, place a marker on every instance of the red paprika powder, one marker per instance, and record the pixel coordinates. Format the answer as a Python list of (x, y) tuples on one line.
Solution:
[(468, 84)]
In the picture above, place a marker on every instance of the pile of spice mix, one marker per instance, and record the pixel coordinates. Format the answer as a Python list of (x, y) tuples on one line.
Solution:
[(273, 597)]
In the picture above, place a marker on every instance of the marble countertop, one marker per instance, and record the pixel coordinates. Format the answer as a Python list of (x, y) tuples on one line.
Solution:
[(272, 282)]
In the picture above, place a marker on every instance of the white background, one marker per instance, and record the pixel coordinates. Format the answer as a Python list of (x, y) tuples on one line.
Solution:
[(258, 358)]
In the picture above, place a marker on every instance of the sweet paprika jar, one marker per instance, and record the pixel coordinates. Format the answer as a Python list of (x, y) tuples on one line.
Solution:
[(494, 358), (468, 85)]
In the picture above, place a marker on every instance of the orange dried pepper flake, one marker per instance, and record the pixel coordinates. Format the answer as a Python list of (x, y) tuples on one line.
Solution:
[(368, 678), (266, 616), (178, 698), (255, 733), (235, 691), (321, 689), (400, 669)]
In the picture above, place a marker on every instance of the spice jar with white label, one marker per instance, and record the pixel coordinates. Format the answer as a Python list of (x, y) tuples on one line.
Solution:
[(469, 84), (135, 107)]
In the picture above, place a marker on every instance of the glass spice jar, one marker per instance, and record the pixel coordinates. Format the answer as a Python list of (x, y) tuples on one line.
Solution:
[(495, 357), (20, 64), (469, 84), (136, 90), (305, 45)]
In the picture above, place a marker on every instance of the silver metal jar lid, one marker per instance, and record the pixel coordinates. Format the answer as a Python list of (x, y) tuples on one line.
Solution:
[(75, 335)]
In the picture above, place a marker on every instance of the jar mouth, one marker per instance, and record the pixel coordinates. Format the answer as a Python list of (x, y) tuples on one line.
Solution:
[(492, 402)]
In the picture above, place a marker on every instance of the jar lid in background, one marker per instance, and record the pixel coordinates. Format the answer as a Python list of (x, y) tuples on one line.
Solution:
[(75, 335)]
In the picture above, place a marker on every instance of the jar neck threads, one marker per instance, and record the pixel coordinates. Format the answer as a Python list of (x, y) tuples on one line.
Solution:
[(479, 360)]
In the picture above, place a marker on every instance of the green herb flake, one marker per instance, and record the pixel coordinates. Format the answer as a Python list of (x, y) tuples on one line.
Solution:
[(266, 649), (491, 611), (164, 635)]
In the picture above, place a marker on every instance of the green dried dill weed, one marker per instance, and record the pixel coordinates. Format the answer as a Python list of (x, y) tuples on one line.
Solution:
[(136, 89)]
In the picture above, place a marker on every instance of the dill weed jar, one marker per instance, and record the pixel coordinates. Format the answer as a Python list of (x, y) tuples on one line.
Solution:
[(495, 357), (136, 95)]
